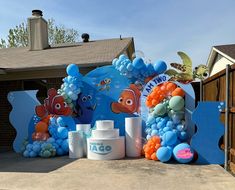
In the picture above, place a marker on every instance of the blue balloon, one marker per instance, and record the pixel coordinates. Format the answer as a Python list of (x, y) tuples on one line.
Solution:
[(160, 67), (169, 138), (65, 145), (62, 132), (72, 70), (183, 136), (183, 153), (32, 154), (26, 154), (138, 63), (150, 69), (59, 151), (164, 154), (36, 148)]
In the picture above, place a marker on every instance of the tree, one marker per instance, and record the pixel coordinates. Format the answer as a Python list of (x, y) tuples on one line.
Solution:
[(18, 36)]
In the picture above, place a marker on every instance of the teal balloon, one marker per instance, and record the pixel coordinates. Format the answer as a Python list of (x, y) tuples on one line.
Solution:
[(176, 103), (159, 67), (138, 63), (160, 110), (72, 70)]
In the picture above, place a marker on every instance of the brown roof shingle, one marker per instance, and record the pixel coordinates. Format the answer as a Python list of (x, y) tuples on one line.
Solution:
[(227, 49), (98, 52)]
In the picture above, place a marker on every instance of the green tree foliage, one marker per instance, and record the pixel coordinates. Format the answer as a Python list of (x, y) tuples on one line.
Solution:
[(18, 36)]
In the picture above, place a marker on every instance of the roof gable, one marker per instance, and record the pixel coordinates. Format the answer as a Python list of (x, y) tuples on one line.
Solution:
[(98, 52)]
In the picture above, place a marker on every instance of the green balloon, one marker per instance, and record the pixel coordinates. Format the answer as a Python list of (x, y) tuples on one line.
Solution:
[(159, 110), (176, 103)]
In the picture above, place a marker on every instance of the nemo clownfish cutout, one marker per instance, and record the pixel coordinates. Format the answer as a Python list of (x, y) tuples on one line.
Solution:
[(128, 102)]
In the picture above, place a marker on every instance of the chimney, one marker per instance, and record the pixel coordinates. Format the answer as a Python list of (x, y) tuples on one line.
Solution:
[(85, 37), (38, 31)]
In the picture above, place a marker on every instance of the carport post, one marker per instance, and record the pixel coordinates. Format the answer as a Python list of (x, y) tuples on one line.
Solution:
[(226, 118)]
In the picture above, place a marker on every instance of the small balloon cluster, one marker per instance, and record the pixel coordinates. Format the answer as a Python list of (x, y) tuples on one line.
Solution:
[(138, 70), (166, 121), (72, 85), (57, 143), (53, 119), (39, 148)]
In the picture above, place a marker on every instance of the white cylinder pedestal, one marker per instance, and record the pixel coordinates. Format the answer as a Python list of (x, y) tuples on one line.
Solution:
[(133, 132), (86, 129), (75, 139)]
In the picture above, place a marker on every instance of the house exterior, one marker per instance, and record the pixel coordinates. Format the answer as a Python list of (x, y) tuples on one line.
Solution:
[(219, 57), (41, 66)]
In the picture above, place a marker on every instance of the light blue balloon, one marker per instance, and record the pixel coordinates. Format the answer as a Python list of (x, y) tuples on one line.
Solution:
[(129, 67), (148, 137), (164, 154), (154, 133), (154, 126), (114, 61), (183, 153), (160, 125), (157, 119), (160, 67), (150, 120), (170, 124), (148, 130), (72, 70), (165, 129), (122, 57)]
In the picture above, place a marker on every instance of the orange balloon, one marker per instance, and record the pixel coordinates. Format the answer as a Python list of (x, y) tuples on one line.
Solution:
[(154, 102), (171, 87), (41, 127), (156, 139), (178, 92), (148, 104), (154, 157), (157, 146), (148, 156)]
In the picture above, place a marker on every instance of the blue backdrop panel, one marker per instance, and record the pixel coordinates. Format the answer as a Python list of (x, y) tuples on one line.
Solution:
[(102, 87), (209, 131), (23, 105)]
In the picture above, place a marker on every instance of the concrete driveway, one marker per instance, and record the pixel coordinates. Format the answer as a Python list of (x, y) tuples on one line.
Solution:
[(17, 172)]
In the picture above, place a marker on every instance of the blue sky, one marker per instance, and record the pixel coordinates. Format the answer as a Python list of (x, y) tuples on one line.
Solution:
[(160, 27)]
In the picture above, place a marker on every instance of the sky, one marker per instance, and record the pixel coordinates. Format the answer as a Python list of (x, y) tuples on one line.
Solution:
[(160, 28)]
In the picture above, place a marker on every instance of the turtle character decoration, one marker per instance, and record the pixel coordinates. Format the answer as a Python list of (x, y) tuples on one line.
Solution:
[(184, 73)]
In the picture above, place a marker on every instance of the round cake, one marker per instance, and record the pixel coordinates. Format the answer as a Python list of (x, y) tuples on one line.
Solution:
[(110, 133), (104, 124)]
